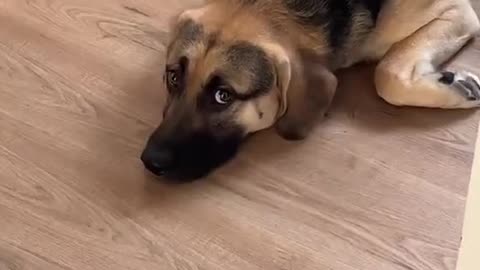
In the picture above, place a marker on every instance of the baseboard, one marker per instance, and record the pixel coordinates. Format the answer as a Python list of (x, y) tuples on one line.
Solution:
[(469, 256)]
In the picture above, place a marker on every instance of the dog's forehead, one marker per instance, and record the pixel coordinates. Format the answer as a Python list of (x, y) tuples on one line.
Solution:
[(212, 17), (222, 20), (215, 43), (186, 36), (194, 27)]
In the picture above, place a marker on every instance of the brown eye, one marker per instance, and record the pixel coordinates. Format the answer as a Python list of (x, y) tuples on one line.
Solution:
[(223, 97), (172, 79)]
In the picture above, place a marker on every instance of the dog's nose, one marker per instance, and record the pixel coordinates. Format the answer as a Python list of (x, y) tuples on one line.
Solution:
[(158, 161)]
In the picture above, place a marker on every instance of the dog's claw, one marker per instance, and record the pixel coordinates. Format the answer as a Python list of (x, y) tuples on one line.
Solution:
[(467, 84)]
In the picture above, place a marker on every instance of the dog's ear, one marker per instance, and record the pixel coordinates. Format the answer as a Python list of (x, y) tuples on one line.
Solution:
[(306, 88)]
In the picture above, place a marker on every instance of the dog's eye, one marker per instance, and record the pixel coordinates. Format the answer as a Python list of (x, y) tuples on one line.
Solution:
[(223, 97), (172, 79)]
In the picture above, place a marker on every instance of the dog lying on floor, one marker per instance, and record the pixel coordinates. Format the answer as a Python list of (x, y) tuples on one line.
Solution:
[(235, 67)]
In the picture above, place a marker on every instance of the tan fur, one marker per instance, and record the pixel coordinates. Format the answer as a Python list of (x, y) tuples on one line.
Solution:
[(432, 32), (411, 39)]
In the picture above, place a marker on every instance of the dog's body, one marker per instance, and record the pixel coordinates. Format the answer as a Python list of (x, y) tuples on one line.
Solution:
[(235, 67)]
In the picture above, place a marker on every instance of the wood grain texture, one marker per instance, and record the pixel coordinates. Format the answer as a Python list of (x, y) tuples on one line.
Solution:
[(376, 187)]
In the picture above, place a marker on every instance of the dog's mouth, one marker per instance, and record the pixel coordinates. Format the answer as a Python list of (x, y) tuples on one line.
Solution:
[(179, 175), (176, 173)]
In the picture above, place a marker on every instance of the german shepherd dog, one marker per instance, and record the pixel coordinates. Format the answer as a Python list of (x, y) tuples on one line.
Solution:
[(235, 67)]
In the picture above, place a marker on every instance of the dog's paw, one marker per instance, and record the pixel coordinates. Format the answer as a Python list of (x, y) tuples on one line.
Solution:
[(465, 83)]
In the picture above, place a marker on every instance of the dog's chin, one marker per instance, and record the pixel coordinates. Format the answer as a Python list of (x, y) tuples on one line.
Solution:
[(181, 176), (188, 174)]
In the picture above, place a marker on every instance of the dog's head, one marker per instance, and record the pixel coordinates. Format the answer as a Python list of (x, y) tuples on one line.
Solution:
[(228, 76)]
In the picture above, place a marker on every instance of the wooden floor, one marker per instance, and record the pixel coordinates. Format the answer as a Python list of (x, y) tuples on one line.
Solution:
[(375, 188)]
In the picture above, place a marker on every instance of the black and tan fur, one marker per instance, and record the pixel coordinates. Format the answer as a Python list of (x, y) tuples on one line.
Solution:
[(274, 61)]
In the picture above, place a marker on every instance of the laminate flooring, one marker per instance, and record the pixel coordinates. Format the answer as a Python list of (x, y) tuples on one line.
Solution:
[(374, 188)]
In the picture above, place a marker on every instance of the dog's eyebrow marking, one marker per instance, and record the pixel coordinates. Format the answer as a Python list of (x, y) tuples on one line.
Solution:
[(246, 57), (188, 33)]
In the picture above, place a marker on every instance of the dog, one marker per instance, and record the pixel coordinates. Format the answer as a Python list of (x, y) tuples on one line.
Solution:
[(235, 67)]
